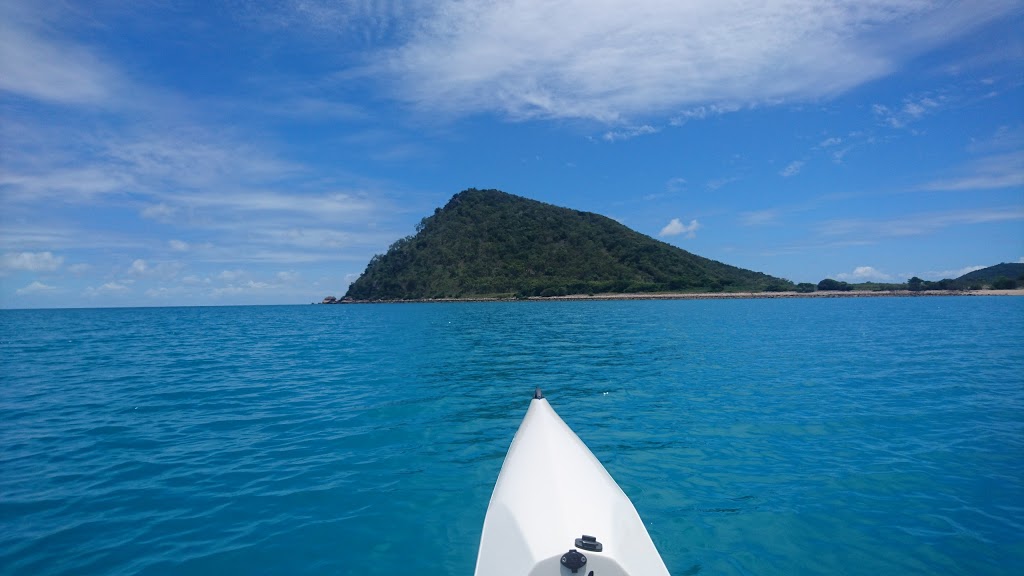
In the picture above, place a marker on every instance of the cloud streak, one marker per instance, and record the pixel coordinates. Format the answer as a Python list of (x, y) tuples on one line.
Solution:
[(629, 133), (34, 65), (990, 173), (917, 224)]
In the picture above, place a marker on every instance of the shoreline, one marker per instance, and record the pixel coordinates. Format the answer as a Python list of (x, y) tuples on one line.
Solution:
[(707, 296)]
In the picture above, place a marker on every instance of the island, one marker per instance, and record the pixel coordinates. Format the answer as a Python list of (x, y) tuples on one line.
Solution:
[(491, 245)]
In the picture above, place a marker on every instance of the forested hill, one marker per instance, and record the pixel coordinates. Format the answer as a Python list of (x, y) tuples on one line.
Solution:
[(490, 243), (1013, 271)]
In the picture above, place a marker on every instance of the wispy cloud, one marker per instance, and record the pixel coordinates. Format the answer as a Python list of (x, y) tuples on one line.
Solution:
[(535, 58), (70, 184), (917, 224), (702, 112), (36, 65), (676, 184), (35, 287), (158, 211), (759, 217), (365, 21), (792, 169), (31, 261), (993, 172), (911, 110), (628, 133), (718, 183), (107, 288), (249, 202), (675, 228)]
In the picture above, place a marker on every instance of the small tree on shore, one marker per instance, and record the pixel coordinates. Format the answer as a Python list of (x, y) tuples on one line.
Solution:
[(1004, 283)]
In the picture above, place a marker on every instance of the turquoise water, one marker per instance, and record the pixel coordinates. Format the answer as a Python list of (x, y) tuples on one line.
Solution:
[(840, 436)]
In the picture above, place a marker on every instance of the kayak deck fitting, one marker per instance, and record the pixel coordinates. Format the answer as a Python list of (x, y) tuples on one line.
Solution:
[(556, 510)]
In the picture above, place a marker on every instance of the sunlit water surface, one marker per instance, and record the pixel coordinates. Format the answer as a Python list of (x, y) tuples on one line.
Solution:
[(850, 436)]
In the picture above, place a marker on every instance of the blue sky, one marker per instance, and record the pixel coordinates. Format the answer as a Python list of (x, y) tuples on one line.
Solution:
[(172, 153)]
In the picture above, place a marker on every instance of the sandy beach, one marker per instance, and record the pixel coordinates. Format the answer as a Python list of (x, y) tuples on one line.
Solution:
[(715, 296), (766, 295)]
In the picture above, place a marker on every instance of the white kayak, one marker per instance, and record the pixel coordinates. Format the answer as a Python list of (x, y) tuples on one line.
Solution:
[(555, 510)]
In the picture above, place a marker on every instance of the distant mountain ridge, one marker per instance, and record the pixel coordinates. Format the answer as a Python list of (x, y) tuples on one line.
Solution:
[(493, 244), (1012, 271)]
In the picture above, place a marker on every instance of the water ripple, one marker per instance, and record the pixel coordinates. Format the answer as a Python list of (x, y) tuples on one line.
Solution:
[(856, 436)]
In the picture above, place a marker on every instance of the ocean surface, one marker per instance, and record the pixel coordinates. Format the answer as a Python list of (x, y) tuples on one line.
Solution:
[(820, 436)]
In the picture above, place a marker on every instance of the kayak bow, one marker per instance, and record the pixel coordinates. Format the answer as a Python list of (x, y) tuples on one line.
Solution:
[(556, 510)]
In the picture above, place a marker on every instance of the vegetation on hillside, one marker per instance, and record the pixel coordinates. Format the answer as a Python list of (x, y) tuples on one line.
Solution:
[(992, 274), (490, 243)]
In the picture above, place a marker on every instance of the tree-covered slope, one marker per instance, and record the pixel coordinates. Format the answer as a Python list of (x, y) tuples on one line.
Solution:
[(489, 243), (1013, 271)]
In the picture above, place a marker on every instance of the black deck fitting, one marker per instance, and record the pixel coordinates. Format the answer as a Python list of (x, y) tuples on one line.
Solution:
[(537, 394)]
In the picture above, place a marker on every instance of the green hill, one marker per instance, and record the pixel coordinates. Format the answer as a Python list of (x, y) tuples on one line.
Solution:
[(490, 243), (993, 273)]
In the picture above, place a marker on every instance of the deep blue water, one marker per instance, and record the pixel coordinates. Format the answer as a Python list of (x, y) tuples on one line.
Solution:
[(840, 436)]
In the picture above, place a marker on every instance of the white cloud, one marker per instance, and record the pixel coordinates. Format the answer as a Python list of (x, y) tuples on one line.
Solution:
[(629, 133), (865, 274), (36, 287), (614, 60), (139, 266), (178, 245), (675, 227), (792, 169), (833, 141), (31, 261), (702, 112)]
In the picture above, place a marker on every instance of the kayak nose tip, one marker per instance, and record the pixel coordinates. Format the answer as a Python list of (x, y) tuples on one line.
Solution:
[(537, 394)]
